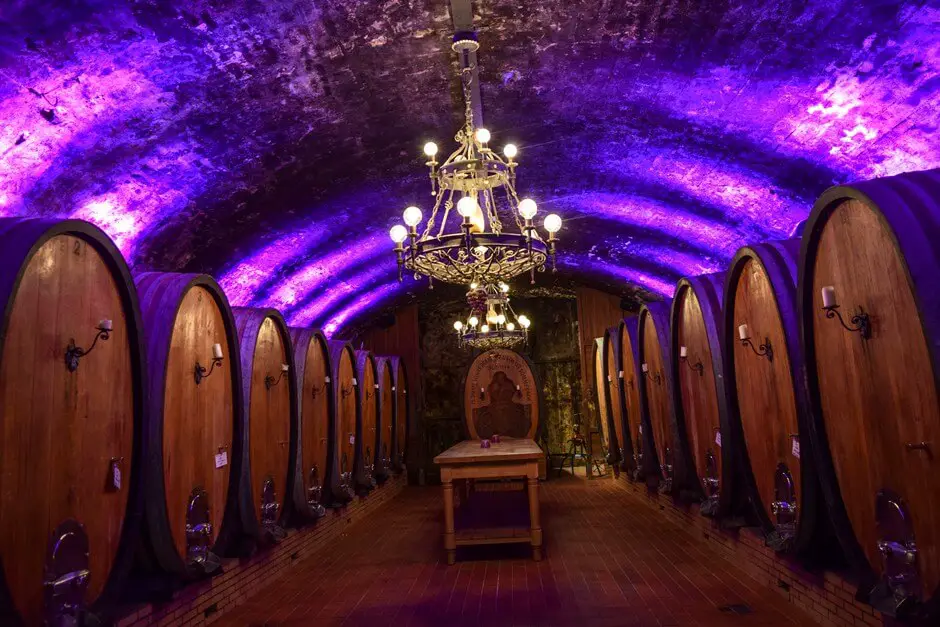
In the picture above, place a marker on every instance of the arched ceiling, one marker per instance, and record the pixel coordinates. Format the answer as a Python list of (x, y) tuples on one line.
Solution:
[(272, 143)]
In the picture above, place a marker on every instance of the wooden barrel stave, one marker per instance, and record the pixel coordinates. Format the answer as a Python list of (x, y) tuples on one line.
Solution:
[(630, 387), (270, 396), (700, 397), (386, 419), (656, 394), (367, 432), (402, 411), (184, 315), (346, 401), (876, 242), (601, 397), (768, 400), (315, 400), (70, 275), (613, 379)]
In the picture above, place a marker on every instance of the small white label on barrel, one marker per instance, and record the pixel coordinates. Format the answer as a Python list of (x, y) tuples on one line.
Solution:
[(116, 474), (352, 439), (718, 438), (620, 374), (608, 378), (326, 379), (393, 388), (355, 382), (376, 386), (796, 448), (221, 459), (641, 429)]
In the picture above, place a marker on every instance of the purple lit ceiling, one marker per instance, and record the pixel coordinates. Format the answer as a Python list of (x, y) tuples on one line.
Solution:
[(273, 143)]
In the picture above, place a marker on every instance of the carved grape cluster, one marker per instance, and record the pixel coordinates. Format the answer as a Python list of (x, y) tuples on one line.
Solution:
[(477, 301)]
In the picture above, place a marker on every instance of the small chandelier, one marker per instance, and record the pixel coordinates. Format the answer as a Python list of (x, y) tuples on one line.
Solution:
[(492, 323), (473, 247)]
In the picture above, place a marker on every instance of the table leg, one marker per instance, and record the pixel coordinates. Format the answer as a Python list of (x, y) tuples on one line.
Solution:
[(450, 540), (535, 525)]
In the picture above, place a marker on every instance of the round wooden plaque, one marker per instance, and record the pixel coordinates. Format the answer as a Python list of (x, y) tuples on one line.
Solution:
[(501, 396)]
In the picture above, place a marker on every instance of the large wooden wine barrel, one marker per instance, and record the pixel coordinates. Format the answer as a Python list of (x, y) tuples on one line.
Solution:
[(340, 479), (195, 435), (270, 392), (657, 392), (316, 403), (768, 401), (613, 378), (367, 436), (502, 396), (71, 438), (700, 399), (386, 417), (634, 436), (402, 411), (875, 396), (601, 398)]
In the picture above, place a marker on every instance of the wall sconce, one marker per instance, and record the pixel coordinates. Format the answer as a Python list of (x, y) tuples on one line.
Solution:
[(200, 372), (764, 350), (346, 391), (318, 389), (684, 357), (861, 320), (270, 381), (74, 353), (656, 377), (630, 383)]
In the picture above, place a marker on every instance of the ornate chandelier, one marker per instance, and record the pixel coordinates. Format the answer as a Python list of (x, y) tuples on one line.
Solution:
[(492, 323), (473, 247)]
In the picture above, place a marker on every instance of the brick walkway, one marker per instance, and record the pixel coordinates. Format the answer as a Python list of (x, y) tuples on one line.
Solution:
[(611, 559)]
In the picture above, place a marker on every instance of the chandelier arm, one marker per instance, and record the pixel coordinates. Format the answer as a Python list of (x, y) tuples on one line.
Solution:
[(511, 190), (430, 223), (447, 208), (495, 222)]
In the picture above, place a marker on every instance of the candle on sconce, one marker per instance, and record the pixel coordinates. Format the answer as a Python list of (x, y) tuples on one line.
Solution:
[(683, 351), (620, 374), (284, 367), (105, 325), (829, 296), (646, 368), (742, 332), (217, 351)]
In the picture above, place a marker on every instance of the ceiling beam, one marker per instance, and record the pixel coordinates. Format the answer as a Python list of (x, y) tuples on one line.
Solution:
[(461, 12)]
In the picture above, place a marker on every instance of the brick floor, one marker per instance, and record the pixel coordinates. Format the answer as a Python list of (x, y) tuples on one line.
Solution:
[(611, 558)]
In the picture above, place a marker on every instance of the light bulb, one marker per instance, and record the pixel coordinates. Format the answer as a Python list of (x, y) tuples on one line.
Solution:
[(485, 328), (483, 135), (458, 325), (527, 208), (474, 285), (503, 287), (430, 149), (398, 233), (510, 151), (480, 251), (412, 216), (525, 323), (491, 317), (466, 206), (510, 326), (501, 319), (473, 321), (552, 223)]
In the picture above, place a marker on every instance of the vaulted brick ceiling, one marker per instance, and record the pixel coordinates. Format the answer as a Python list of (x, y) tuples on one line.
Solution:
[(273, 143)]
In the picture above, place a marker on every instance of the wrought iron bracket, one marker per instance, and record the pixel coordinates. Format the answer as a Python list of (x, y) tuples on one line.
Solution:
[(73, 353), (861, 321), (656, 377), (270, 381), (697, 366), (200, 372), (763, 350)]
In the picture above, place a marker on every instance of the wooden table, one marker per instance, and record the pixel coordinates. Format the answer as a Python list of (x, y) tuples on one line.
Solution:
[(510, 458)]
